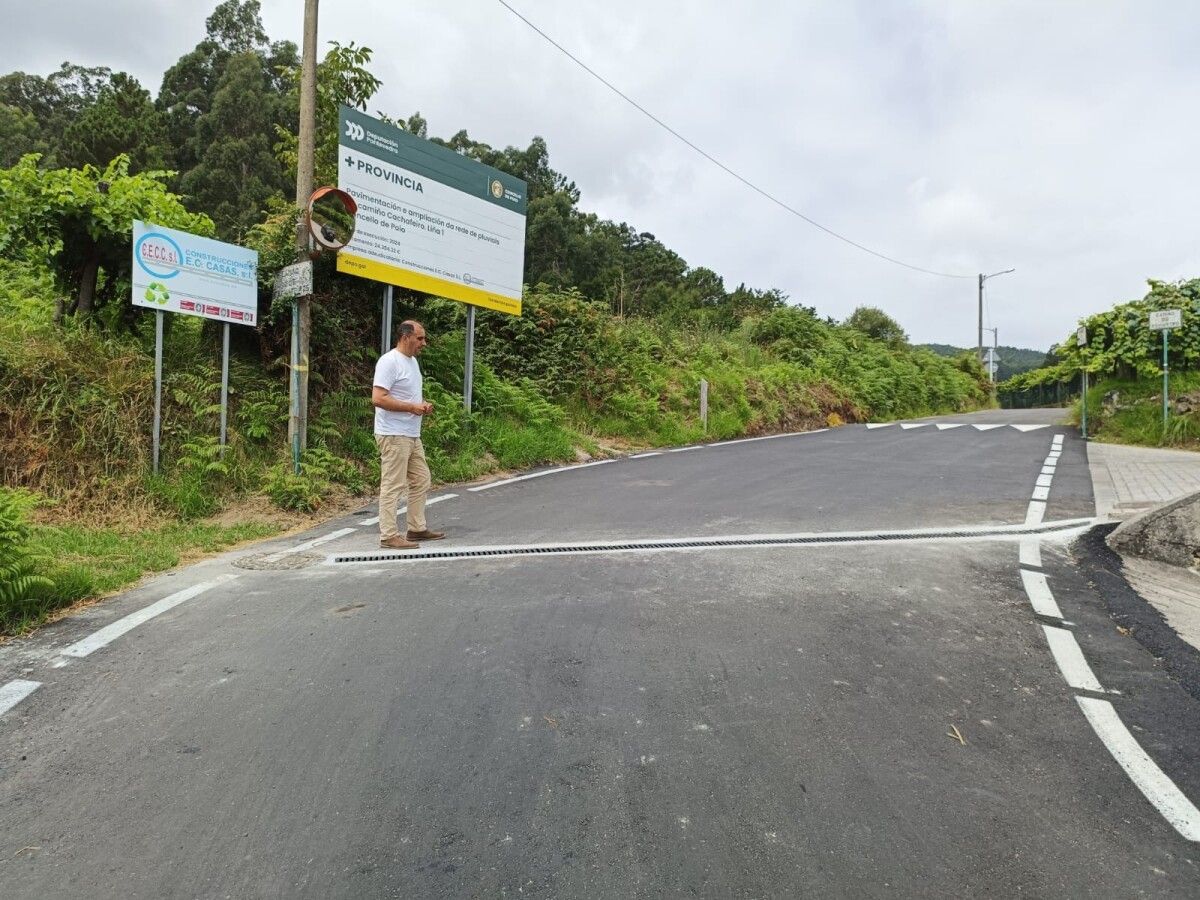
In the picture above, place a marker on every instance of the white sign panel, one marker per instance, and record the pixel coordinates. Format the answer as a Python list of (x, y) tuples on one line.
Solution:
[(1081, 336), (430, 219), (1162, 319), (294, 281), (180, 272)]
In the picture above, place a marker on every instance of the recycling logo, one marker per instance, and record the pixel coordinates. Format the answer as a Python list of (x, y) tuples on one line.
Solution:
[(157, 292)]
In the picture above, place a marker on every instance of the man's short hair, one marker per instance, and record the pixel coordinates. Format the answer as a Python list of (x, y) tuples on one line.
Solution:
[(408, 326)]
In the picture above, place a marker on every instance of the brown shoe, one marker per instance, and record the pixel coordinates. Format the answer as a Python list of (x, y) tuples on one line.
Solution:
[(425, 535), (395, 542)]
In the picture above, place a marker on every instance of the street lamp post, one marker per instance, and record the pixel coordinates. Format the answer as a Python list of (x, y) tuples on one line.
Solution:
[(982, 279)]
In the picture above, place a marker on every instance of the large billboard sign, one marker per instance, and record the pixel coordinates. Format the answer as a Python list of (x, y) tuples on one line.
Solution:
[(180, 272), (429, 218)]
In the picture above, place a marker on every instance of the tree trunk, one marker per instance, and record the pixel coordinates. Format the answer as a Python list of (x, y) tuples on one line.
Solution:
[(87, 285)]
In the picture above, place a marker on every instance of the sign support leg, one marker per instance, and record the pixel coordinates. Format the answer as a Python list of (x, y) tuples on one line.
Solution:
[(1083, 404), (469, 368), (386, 338), (158, 355), (224, 383), (1165, 381), (295, 370)]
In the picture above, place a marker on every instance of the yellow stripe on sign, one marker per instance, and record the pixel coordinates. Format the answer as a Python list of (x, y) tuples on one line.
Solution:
[(419, 281)]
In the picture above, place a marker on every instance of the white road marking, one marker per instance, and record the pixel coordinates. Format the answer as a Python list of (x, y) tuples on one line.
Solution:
[(308, 545), (374, 520), (1055, 453), (1075, 669), (771, 437), (684, 449), (1035, 512), (1160, 790), (1038, 592), (880, 424), (496, 484), (1029, 427), (1058, 439), (1031, 552), (1041, 493), (1051, 463), (644, 455), (1044, 480), (942, 426), (909, 425), (989, 427), (14, 692), (110, 633)]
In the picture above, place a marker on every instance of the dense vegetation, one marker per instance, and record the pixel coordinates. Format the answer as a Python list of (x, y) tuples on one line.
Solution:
[(1123, 359), (617, 332)]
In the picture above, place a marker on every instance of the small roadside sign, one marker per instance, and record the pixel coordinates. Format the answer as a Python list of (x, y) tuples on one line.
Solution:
[(1081, 336), (294, 280), (1162, 319)]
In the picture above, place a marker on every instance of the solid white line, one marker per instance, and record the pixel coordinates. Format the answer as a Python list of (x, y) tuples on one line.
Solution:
[(1065, 650), (1035, 512), (1038, 592), (1160, 790), (110, 633), (374, 520), (684, 449), (14, 692), (1044, 480), (496, 484), (1041, 493), (1031, 552), (943, 427), (771, 437), (644, 455)]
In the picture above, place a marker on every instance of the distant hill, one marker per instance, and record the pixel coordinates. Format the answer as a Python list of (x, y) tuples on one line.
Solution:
[(1013, 360)]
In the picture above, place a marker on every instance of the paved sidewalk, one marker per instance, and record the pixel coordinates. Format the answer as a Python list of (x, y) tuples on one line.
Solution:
[(1130, 480)]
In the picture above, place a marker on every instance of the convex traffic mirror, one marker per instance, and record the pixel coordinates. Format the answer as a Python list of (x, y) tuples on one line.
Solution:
[(330, 216)]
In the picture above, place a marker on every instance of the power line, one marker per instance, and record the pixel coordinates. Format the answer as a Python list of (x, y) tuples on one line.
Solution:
[(717, 162)]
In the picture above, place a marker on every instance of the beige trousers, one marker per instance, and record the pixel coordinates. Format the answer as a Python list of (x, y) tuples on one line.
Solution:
[(401, 465)]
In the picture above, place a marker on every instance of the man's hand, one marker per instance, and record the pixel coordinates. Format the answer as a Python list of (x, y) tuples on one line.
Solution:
[(426, 409)]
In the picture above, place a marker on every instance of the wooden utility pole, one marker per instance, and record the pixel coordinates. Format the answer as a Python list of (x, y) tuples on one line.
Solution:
[(302, 322)]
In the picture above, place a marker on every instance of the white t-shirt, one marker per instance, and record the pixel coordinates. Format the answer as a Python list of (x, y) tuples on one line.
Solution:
[(401, 377)]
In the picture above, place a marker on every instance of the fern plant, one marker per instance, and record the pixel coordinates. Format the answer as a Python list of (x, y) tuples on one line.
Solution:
[(19, 581)]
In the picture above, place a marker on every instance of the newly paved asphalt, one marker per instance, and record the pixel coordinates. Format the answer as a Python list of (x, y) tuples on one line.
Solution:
[(721, 722)]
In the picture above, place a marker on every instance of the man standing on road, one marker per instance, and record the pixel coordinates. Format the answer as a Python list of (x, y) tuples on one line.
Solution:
[(399, 407)]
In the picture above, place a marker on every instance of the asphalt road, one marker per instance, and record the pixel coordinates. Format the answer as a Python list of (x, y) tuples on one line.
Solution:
[(712, 722)]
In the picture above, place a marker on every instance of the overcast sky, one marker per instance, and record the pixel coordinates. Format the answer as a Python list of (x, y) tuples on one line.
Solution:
[(1059, 138)]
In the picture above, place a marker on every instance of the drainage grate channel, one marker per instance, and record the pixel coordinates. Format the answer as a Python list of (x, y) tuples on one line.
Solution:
[(779, 540)]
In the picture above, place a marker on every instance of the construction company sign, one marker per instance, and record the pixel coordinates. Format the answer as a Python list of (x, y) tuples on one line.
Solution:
[(180, 272), (429, 218)]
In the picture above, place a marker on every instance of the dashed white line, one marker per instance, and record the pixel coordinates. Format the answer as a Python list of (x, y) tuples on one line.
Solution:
[(14, 692), (1160, 790), (1041, 493), (374, 520), (110, 633), (1044, 480), (308, 545), (1031, 552), (496, 484), (1075, 669), (1038, 592), (1035, 513)]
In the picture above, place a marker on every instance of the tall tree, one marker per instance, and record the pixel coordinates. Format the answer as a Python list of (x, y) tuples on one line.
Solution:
[(237, 173), (121, 120)]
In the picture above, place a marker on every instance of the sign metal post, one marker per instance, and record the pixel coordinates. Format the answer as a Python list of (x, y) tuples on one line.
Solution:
[(469, 368), (158, 353), (1081, 339), (224, 382), (704, 403), (1164, 320)]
